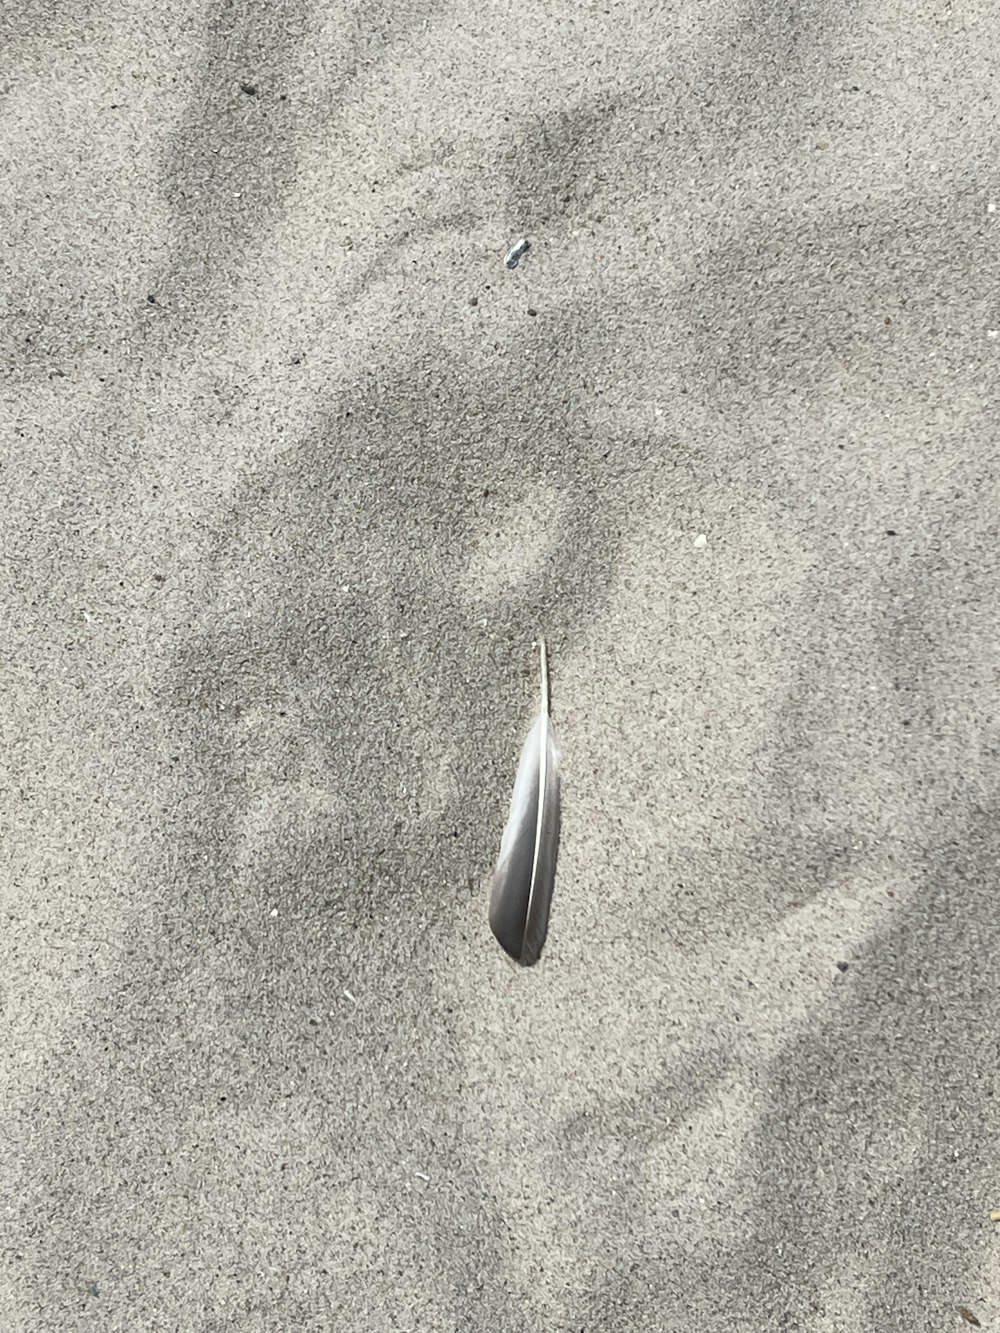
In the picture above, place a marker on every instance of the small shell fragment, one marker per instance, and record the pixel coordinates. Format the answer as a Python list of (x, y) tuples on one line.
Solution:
[(515, 252)]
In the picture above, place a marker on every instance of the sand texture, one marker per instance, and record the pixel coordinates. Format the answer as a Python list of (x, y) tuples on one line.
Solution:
[(294, 472)]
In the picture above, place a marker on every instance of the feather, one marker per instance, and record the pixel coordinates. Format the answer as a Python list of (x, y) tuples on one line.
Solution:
[(526, 868)]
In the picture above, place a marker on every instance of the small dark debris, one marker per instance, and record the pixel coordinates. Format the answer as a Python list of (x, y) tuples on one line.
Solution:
[(159, 578), (297, 359), (968, 1316), (532, 311), (249, 88), (57, 374), (282, 97), (887, 320), (842, 966), (890, 532), (151, 299), (92, 1288), (473, 300)]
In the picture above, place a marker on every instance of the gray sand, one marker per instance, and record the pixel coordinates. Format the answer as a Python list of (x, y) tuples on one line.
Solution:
[(293, 478)]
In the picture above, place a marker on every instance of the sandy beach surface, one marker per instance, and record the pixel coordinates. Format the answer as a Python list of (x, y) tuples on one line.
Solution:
[(295, 471)]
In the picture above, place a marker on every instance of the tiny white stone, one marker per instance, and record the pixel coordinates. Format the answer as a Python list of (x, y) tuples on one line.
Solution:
[(274, 911), (700, 541)]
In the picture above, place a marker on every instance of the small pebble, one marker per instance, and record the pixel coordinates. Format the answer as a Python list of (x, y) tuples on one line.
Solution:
[(700, 541), (532, 312), (249, 88), (515, 252), (842, 966)]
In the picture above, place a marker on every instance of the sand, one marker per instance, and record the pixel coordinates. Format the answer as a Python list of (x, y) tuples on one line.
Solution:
[(294, 473)]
